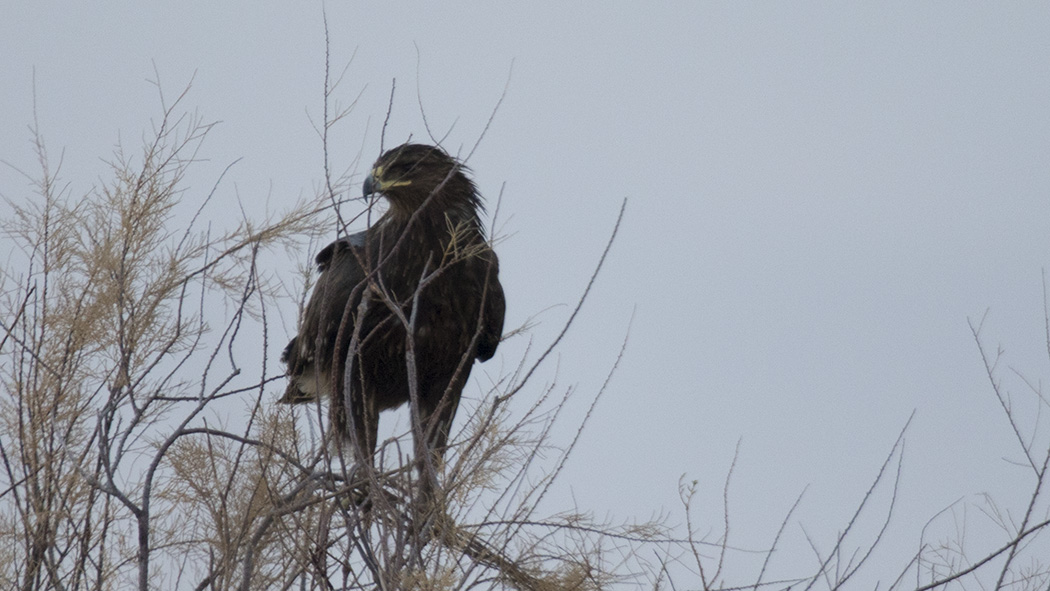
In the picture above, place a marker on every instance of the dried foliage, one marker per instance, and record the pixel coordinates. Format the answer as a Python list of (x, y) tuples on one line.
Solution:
[(141, 448), (112, 314)]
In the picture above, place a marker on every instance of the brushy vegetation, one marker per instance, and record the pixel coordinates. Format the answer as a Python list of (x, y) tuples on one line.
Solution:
[(141, 447)]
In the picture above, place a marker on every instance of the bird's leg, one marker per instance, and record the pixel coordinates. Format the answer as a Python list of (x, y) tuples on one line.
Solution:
[(363, 431), (438, 421), (361, 426), (437, 411)]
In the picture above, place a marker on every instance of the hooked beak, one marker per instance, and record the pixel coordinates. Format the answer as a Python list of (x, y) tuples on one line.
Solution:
[(375, 183), (370, 185)]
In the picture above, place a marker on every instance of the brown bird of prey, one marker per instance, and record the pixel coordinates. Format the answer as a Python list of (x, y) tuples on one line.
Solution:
[(423, 279)]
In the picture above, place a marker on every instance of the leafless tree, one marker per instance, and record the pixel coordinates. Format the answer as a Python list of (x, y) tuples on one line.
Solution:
[(141, 447)]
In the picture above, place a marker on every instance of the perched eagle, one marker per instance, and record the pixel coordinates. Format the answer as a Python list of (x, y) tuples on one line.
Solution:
[(424, 264)]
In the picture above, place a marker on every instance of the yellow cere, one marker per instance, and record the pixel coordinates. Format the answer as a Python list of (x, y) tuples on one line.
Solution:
[(382, 185)]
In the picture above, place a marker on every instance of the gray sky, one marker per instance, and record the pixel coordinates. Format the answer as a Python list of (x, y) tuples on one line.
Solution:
[(820, 196)]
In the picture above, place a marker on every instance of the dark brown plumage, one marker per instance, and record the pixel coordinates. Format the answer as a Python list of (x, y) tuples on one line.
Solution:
[(431, 229)]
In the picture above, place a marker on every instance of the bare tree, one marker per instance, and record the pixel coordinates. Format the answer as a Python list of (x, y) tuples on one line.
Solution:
[(129, 338), (114, 360), (141, 448)]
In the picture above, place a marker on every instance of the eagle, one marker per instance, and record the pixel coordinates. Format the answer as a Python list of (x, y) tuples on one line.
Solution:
[(422, 279)]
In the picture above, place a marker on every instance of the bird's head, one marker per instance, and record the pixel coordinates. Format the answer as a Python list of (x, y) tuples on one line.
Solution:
[(411, 175)]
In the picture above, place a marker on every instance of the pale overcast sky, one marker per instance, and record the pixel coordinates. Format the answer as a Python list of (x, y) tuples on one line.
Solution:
[(819, 198)]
